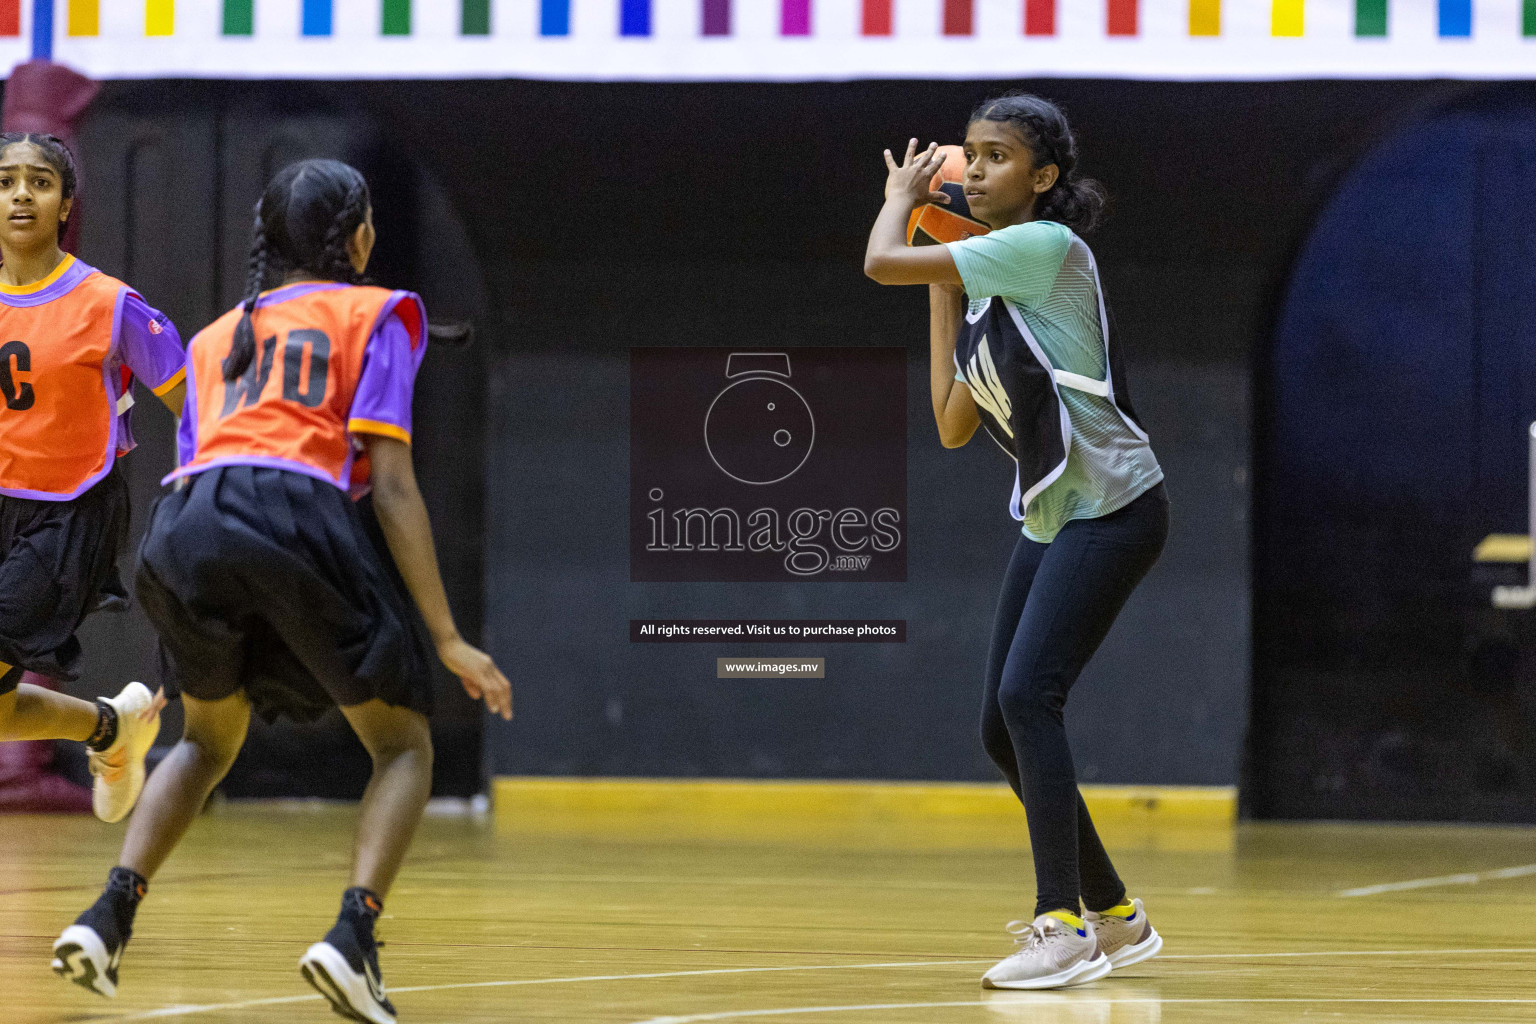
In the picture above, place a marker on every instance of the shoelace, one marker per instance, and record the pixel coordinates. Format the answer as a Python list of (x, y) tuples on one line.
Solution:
[(1024, 933)]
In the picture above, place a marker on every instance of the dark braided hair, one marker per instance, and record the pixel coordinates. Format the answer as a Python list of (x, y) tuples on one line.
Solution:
[(57, 156), (304, 221), (1075, 201)]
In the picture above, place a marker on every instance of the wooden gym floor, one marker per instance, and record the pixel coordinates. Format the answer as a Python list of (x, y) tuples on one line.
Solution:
[(493, 923)]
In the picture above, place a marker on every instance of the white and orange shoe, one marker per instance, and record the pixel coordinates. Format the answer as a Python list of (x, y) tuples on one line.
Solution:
[(119, 770)]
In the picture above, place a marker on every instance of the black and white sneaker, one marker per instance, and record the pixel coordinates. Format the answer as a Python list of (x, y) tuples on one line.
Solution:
[(89, 950), (88, 954), (344, 967)]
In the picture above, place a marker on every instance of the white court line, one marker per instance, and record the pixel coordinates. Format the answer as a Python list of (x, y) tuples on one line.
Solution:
[(742, 1014), (1469, 878), (1463, 951), (189, 1010)]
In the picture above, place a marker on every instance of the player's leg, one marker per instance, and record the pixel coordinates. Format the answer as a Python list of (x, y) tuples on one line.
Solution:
[(1037, 963), (400, 742), (118, 731), (89, 950), (344, 966), (1120, 924), (38, 613), (176, 793), (60, 565), (1084, 579), (30, 712), (1058, 948), (1010, 606), (348, 622)]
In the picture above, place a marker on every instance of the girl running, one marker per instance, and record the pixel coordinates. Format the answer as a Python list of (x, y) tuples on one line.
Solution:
[(71, 341), (1018, 319), (265, 589)]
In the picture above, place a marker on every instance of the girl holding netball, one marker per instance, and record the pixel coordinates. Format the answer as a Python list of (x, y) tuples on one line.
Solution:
[(71, 341), (1020, 344), (265, 589)]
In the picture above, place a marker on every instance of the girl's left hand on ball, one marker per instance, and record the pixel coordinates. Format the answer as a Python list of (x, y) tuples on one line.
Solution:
[(913, 178)]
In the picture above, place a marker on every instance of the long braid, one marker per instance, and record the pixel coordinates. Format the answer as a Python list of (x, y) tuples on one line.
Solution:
[(244, 349), (304, 222), (333, 262)]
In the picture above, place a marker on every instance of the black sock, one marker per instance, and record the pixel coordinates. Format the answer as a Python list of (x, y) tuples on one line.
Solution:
[(361, 907), (127, 884), (113, 912), (106, 728), (352, 936)]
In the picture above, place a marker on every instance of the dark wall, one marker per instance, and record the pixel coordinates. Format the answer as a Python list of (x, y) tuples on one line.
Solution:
[(736, 216), (608, 216)]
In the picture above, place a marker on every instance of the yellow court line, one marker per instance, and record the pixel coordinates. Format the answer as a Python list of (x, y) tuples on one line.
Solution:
[(888, 802)]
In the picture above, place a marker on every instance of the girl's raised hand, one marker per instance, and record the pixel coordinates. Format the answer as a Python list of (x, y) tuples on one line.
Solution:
[(912, 179)]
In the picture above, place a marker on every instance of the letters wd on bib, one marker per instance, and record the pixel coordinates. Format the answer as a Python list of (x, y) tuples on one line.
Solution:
[(780, 40)]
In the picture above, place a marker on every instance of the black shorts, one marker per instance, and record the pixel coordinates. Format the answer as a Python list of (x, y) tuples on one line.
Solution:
[(268, 581), (58, 563)]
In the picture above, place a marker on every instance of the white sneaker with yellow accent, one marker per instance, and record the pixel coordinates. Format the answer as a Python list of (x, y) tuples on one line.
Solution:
[(1126, 938), (1055, 950)]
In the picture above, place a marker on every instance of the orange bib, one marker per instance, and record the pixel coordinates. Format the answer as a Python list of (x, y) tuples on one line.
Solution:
[(290, 407), (58, 402)]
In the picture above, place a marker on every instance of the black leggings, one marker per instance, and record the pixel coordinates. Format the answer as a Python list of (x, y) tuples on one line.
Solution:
[(1057, 604)]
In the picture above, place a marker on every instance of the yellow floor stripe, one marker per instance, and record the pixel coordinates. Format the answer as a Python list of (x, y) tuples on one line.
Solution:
[(968, 815)]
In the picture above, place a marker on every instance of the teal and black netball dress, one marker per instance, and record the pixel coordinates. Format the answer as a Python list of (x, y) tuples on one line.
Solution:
[(1036, 354)]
